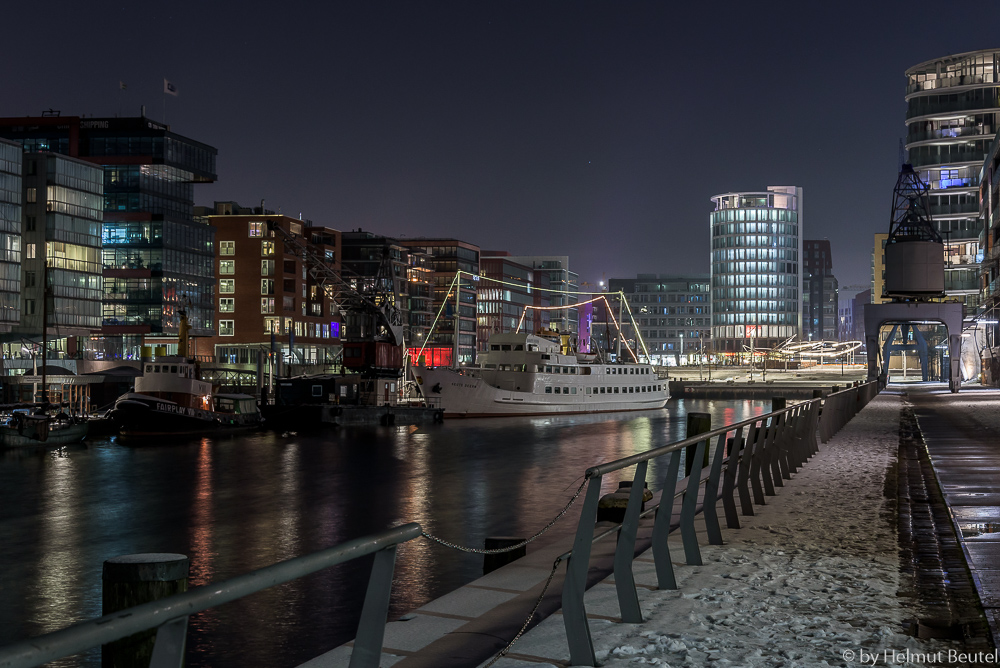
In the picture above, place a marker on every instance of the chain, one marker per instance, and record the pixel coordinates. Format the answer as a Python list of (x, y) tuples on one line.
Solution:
[(499, 550), (524, 627)]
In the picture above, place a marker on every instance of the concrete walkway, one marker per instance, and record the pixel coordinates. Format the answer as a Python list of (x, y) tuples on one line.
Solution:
[(812, 577), (962, 435)]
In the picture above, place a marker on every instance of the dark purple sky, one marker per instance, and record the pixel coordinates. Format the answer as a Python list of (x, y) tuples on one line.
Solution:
[(594, 130)]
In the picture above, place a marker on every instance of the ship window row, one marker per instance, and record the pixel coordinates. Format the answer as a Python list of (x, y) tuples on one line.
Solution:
[(556, 369), (559, 390), (505, 346), (183, 372)]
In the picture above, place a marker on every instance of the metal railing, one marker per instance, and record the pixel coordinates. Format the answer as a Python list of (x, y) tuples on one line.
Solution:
[(750, 459), (170, 615)]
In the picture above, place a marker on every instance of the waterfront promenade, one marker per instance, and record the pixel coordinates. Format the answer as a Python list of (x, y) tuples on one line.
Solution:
[(813, 578)]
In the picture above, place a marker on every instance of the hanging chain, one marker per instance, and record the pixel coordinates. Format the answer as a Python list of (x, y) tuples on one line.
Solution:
[(499, 550), (524, 627)]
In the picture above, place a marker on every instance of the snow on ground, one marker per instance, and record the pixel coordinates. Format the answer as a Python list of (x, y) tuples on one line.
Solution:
[(810, 580)]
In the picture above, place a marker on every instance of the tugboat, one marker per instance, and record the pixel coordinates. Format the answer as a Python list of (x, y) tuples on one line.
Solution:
[(170, 400)]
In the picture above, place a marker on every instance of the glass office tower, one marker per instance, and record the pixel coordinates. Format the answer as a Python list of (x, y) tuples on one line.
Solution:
[(156, 257), (756, 277), (10, 235), (61, 245)]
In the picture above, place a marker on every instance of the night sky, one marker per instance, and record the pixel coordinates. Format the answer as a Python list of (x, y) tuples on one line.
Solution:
[(594, 130)]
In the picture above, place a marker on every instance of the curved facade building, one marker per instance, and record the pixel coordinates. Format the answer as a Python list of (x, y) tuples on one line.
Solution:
[(952, 111), (756, 276)]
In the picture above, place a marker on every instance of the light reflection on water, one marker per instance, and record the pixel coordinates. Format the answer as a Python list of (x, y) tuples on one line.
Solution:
[(238, 504)]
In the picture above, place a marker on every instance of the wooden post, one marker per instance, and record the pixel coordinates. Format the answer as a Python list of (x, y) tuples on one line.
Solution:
[(133, 579), (698, 423), (777, 403)]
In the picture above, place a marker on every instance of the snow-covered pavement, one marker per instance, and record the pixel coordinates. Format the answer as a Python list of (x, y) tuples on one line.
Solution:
[(811, 580)]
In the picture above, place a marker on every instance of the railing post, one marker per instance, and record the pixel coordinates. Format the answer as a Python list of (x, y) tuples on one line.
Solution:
[(661, 525), (689, 534), (367, 650), (746, 467), (729, 481), (761, 470), (813, 428), (777, 438), (628, 599), (712, 494), (581, 647), (168, 650)]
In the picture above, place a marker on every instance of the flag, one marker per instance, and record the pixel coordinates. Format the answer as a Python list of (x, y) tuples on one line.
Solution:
[(122, 85), (169, 88)]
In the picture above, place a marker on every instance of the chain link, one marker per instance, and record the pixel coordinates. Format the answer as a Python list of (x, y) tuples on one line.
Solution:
[(499, 550), (524, 627)]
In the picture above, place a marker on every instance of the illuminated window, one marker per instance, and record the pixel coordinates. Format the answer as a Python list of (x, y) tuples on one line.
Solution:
[(256, 228), (267, 267), (29, 251), (267, 286), (227, 305), (267, 304), (272, 325), (266, 248), (227, 267), (227, 286), (227, 328), (227, 248)]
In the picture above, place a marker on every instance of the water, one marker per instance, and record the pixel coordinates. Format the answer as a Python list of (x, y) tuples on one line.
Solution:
[(233, 505)]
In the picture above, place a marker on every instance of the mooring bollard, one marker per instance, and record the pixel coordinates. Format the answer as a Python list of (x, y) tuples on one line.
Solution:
[(611, 507), (817, 394), (777, 403), (491, 562), (133, 579), (698, 423)]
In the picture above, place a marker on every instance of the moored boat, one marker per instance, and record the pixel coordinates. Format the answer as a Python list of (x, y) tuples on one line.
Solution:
[(526, 374), (170, 400), (24, 429)]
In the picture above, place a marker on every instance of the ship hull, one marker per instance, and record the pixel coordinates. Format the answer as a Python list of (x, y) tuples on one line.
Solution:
[(466, 396), (139, 416)]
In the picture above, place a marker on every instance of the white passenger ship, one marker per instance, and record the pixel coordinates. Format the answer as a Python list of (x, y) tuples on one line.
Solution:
[(525, 374)]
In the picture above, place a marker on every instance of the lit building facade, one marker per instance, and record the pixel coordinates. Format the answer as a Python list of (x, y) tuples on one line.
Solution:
[(756, 280), (987, 329), (502, 301), (878, 269), (155, 256), (10, 235), (264, 288), (562, 280), (444, 258), (63, 207), (953, 108), (820, 320), (673, 314)]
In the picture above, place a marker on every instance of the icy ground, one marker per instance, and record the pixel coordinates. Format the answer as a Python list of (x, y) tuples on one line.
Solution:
[(811, 580)]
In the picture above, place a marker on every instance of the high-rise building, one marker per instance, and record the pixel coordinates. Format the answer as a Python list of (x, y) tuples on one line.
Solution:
[(10, 235), (953, 109), (756, 278), (61, 248), (445, 258), (673, 315), (819, 292), (156, 257)]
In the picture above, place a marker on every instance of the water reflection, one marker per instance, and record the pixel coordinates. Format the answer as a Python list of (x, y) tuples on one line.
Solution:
[(239, 504)]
